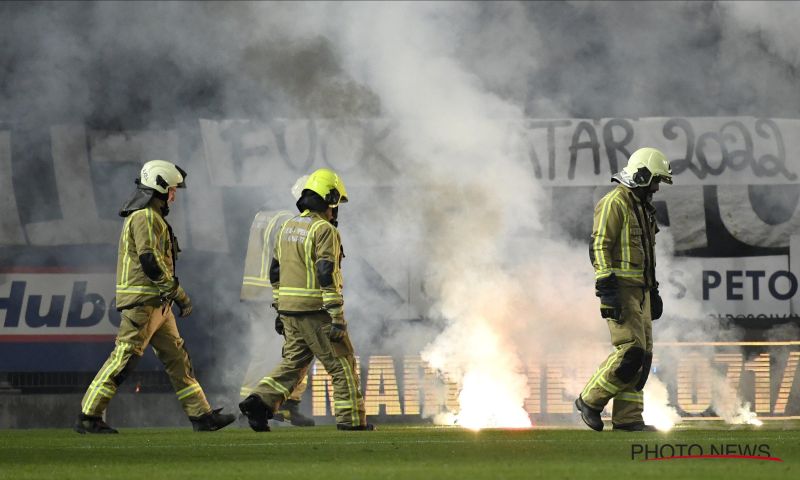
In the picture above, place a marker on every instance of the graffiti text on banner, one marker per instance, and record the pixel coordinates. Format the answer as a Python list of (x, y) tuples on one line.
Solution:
[(704, 151)]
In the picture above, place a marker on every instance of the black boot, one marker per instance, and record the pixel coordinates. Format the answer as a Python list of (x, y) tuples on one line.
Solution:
[(347, 426), (289, 411), (212, 421), (589, 415), (634, 427), (89, 424), (257, 413)]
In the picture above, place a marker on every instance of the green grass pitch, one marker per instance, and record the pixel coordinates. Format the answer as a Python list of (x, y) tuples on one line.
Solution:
[(392, 452)]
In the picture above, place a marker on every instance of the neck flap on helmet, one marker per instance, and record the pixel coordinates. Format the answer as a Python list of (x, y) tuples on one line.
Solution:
[(624, 178), (141, 197)]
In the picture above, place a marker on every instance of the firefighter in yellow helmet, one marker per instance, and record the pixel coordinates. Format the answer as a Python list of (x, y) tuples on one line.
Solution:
[(623, 255), (257, 295), (305, 274), (146, 290)]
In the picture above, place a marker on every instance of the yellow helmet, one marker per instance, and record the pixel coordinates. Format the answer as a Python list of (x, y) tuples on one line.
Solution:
[(327, 184), (646, 164), (160, 175)]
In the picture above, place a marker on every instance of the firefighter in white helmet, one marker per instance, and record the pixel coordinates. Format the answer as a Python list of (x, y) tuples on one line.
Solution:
[(257, 296), (305, 273), (623, 255), (146, 290)]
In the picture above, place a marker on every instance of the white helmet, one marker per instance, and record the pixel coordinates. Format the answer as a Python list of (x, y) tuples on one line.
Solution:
[(160, 175), (644, 165)]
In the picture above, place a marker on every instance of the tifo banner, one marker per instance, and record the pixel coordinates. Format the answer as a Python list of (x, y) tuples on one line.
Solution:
[(703, 151), (732, 214), (763, 374), (726, 152)]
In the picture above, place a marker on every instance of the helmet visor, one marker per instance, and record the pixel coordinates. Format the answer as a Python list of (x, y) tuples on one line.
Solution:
[(661, 178)]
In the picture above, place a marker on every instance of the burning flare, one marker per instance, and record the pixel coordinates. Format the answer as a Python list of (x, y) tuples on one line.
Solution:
[(492, 387)]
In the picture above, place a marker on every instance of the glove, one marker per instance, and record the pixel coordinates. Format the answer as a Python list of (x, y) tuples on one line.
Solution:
[(608, 292), (338, 329), (278, 325), (656, 304), (181, 299)]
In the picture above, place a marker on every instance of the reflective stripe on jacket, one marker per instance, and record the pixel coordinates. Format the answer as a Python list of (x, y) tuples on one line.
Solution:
[(263, 233), (307, 243), (145, 231), (623, 238)]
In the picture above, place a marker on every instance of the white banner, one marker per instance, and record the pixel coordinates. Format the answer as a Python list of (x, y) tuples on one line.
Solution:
[(569, 152)]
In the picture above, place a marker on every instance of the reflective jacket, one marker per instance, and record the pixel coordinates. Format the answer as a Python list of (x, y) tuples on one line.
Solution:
[(263, 233), (145, 235), (623, 239), (306, 267)]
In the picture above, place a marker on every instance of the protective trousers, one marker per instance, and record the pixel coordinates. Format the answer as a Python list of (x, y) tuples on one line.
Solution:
[(618, 375), (140, 326), (262, 358), (306, 338)]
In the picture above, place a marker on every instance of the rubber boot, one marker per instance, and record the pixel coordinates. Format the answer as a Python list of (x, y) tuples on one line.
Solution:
[(89, 424), (257, 413), (589, 415), (289, 411), (212, 421)]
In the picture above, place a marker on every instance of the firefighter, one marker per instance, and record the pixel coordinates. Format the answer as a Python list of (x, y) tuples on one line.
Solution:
[(257, 295), (146, 290), (623, 255), (307, 282)]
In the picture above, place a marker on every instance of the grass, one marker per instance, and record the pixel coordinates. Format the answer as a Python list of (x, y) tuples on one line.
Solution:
[(393, 452)]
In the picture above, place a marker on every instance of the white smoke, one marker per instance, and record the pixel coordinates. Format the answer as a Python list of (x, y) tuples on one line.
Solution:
[(457, 78)]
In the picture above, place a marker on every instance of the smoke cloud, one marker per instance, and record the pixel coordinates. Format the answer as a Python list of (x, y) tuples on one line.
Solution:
[(505, 281)]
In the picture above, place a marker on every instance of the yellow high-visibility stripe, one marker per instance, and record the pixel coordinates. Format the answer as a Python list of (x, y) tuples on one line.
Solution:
[(125, 257), (337, 251), (602, 368), (620, 272), (149, 216), (279, 240), (189, 391), (310, 276), (300, 292), (602, 371), (137, 289), (630, 397), (601, 232), (352, 388), (300, 289), (256, 282), (306, 295), (607, 386), (626, 237), (267, 231), (116, 360), (277, 386)]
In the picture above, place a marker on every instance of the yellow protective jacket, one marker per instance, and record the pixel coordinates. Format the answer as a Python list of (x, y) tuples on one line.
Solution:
[(306, 267), (264, 230), (623, 239), (145, 233)]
